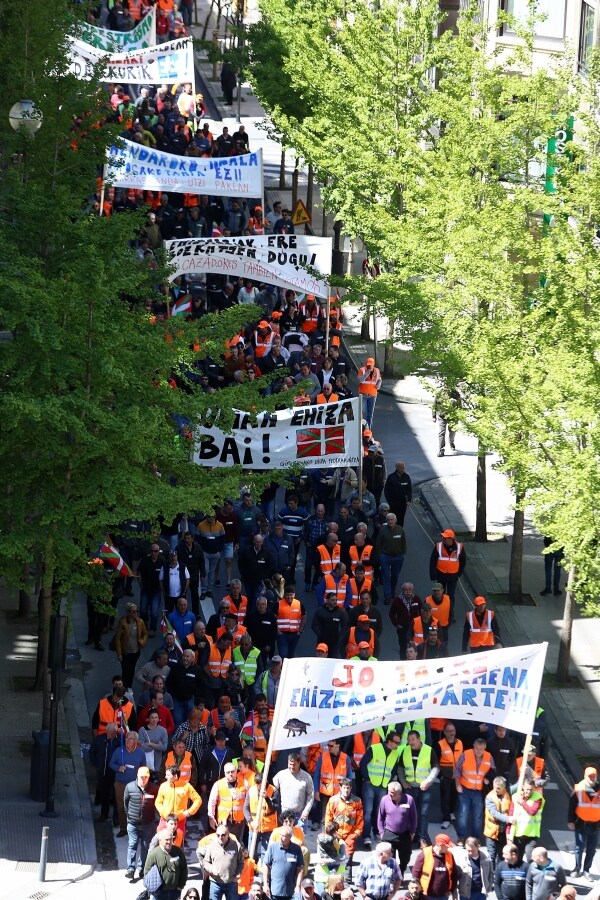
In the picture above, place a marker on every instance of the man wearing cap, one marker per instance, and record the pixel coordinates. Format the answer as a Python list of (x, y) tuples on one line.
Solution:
[(359, 634), (398, 491), (447, 563), (369, 382), (175, 581), (584, 820), (329, 623), (321, 651), (436, 869), (263, 338), (379, 876), (481, 630)]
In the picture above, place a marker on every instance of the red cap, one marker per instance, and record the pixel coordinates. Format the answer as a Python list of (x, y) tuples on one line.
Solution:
[(363, 618), (323, 647), (479, 601), (447, 533), (443, 840), (363, 645)]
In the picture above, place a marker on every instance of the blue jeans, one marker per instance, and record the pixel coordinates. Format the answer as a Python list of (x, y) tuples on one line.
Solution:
[(422, 802), (586, 841), (212, 565), (182, 709), (218, 891), (550, 560), (368, 408), (142, 835), (391, 566), (268, 509), (371, 798), (469, 813), (150, 606), (287, 643)]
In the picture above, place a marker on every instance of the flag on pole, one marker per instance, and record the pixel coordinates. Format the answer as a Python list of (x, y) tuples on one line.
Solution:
[(114, 559), (182, 306), (167, 628)]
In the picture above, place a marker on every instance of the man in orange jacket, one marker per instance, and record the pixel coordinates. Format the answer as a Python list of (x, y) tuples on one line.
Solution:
[(177, 797)]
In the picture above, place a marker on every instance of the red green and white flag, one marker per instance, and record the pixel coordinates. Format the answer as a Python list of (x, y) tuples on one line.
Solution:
[(182, 306), (315, 442), (167, 628), (114, 559)]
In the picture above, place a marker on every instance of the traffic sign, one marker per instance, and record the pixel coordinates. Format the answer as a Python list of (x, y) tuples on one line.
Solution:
[(300, 216)]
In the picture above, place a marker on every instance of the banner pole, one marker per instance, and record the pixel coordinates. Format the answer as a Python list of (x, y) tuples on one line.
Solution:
[(361, 452), (268, 755), (328, 313), (102, 190)]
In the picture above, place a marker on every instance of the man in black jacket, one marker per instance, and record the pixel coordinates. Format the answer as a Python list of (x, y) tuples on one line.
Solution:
[(261, 625), (139, 800), (329, 624), (398, 491), (210, 768), (191, 556), (100, 755), (256, 565), (185, 686)]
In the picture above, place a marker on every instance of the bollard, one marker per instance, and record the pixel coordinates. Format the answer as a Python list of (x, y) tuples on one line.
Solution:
[(43, 853)]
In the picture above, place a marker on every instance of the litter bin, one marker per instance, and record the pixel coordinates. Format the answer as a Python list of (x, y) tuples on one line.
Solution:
[(38, 780)]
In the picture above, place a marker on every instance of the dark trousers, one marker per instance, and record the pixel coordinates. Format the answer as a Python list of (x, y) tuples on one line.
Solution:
[(552, 561), (128, 664), (448, 797), (402, 845), (494, 847), (105, 793), (398, 507)]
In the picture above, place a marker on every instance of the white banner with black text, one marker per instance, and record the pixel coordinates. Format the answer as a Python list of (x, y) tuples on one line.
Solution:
[(162, 64)]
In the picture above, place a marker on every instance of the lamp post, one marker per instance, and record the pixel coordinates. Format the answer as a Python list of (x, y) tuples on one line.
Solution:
[(24, 114)]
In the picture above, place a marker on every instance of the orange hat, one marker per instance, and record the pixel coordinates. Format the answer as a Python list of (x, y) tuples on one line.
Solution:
[(443, 840), (363, 645), (447, 533), (323, 647), (370, 361), (367, 432), (310, 296), (263, 324), (363, 618), (276, 315), (479, 601)]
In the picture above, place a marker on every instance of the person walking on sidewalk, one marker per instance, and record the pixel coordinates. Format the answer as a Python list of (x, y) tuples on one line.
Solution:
[(481, 631), (584, 820), (369, 383), (444, 411), (447, 563), (398, 491), (552, 567), (391, 547)]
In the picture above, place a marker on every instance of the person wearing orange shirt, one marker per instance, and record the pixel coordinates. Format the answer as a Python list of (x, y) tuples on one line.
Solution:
[(177, 797), (441, 608)]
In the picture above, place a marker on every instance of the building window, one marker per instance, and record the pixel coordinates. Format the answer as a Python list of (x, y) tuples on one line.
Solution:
[(552, 12), (586, 37)]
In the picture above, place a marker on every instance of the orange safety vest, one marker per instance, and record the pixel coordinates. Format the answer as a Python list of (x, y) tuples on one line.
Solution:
[(448, 562), (587, 809), (368, 388), (191, 639), (363, 557), (239, 607), (262, 345), (538, 767), (356, 590), (289, 616), (190, 200), (313, 753), (419, 629), (338, 589), (135, 9), (268, 817), (352, 645), (107, 713), (311, 317), (218, 664), (333, 398), (449, 756), (328, 560), (360, 748), (481, 635), (239, 632), (441, 611), (256, 225), (491, 826), (329, 783), (185, 766), (428, 866), (469, 776), (257, 740), (230, 802)]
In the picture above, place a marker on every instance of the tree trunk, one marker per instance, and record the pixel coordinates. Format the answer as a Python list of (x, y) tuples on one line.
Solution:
[(282, 171), (515, 574), (481, 501), (566, 633), (388, 353), (310, 190), (295, 184)]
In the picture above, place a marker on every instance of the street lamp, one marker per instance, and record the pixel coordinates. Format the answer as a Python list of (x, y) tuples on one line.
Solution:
[(24, 114)]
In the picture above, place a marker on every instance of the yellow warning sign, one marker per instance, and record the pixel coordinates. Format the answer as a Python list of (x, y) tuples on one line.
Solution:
[(300, 216)]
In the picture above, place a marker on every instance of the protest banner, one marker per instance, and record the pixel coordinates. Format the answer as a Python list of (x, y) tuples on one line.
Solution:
[(135, 166), (321, 699), (286, 260), (162, 64), (319, 435), (143, 35)]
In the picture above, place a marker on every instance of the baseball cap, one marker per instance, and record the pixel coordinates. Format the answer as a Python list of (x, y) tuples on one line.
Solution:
[(220, 735), (263, 324), (307, 882), (275, 660), (436, 586), (323, 647), (144, 770), (591, 771), (370, 361), (363, 618), (479, 601), (363, 645), (443, 840), (447, 533)]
